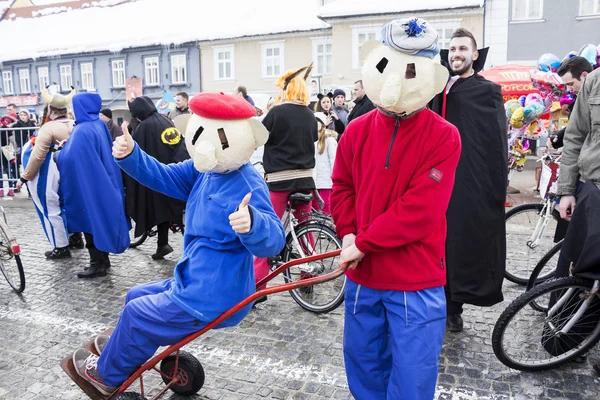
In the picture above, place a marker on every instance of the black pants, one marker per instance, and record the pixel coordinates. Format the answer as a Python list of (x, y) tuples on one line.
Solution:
[(452, 307), (163, 234), (95, 254)]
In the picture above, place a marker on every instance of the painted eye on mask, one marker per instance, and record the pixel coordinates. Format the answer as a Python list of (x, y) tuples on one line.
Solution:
[(381, 65), (411, 71), (197, 135), (223, 138)]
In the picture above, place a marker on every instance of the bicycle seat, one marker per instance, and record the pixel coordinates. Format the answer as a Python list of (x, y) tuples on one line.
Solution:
[(297, 198)]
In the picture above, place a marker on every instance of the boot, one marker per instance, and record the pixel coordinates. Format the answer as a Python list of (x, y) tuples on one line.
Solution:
[(76, 241), (58, 253), (99, 264), (454, 323), (161, 252)]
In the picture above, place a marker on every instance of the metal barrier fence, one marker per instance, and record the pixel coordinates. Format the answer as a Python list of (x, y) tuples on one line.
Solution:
[(11, 144)]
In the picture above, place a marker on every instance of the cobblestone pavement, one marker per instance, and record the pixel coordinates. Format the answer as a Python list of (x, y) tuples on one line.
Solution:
[(278, 352)]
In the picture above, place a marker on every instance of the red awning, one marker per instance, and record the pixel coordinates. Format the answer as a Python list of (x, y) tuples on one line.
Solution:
[(514, 79)]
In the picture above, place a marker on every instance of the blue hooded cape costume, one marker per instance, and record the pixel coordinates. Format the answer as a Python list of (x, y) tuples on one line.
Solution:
[(91, 187)]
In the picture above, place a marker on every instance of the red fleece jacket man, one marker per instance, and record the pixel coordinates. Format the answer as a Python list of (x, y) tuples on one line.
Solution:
[(392, 182)]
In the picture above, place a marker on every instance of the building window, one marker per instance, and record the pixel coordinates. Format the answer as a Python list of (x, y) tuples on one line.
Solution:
[(118, 73), (323, 56), (178, 69), (272, 59), (87, 76), (152, 71), (43, 77), (589, 7), (24, 79), (224, 62), (524, 10), (8, 83), (66, 80), (360, 35), (445, 30)]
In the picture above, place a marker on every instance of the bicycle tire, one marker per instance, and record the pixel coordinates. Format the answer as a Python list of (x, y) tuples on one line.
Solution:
[(521, 302), (298, 294), (520, 209), (17, 286), (137, 241), (535, 279)]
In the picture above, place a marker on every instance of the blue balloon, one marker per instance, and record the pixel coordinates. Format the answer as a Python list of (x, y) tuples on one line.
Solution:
[(568, 56), (590, 53), (548, 63)]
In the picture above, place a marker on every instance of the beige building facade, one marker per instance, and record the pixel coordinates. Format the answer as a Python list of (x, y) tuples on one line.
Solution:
[(335, 52)]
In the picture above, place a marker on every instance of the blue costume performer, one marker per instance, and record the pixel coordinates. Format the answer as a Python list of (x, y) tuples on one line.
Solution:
[(223, 231), (41, 173), (91, 187)]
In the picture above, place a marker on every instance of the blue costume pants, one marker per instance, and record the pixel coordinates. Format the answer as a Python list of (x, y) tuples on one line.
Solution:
[(392, 342), (149, 320)]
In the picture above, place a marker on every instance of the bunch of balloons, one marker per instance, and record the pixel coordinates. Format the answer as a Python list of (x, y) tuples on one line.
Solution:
[(524, 116)]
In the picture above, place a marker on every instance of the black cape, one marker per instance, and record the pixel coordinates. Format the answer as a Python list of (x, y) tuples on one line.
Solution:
[(157, 136), (476, 240)]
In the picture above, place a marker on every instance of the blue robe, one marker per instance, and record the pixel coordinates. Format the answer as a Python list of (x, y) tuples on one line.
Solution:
[(91, 187)]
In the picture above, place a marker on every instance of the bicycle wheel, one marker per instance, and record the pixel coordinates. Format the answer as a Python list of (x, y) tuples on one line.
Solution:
[(314, 238), (543, 271), (527, 340), (136, 241), (521, 256), (10, 263)]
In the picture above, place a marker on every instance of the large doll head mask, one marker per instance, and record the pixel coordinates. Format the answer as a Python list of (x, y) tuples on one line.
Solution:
[(222, 134), (403, 72)]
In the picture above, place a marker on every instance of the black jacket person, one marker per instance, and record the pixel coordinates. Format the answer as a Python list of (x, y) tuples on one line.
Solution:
[(476, 235), (157, 136)]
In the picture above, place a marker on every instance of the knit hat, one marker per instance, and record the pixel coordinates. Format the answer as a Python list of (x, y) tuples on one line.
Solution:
[(412, 36), (107, 112), (339, 92)]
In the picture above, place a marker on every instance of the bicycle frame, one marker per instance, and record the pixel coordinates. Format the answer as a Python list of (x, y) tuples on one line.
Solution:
[(580, 311), (542, 223)]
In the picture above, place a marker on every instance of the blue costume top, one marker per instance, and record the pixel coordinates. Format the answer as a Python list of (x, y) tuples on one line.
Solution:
[(91, 187), (216, 270)]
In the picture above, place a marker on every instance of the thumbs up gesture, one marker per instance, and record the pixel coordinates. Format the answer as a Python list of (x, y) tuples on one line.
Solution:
[(123, 145), (240, 221)]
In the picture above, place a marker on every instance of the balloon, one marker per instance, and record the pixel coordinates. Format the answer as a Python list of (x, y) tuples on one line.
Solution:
[(533, 98), (590, 53), (510, 107), (548, 63), (533, 112), (567, 98), (517, 120), (571, 54), (522, 100)]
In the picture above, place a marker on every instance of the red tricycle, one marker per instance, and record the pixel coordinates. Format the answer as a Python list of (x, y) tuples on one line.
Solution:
[(181, 371)]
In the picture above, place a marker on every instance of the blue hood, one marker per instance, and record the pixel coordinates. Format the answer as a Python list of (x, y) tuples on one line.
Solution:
[(86, 107)]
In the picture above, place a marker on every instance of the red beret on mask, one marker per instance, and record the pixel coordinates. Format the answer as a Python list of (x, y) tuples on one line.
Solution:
[(221, 106)]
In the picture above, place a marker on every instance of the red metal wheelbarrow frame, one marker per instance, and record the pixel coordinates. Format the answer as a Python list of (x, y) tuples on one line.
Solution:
[(151, 364)]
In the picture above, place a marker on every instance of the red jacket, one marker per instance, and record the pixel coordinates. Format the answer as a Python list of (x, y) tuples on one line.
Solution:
[(392, 182)]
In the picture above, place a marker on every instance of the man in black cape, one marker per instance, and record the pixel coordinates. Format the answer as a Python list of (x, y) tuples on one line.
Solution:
[(157, 136), (476, 238)]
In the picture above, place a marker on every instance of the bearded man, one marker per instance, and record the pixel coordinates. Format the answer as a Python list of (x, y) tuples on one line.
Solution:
[(476, 239)]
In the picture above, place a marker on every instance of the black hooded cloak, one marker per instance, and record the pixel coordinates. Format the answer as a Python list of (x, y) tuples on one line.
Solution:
[(158, 137), (476, 239)]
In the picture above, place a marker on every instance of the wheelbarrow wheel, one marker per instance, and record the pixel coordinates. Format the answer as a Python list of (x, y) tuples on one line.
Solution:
[(130, 396), (189, 369)]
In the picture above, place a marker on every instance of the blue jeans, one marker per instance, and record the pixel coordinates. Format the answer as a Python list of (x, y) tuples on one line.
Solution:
[(392, 342)]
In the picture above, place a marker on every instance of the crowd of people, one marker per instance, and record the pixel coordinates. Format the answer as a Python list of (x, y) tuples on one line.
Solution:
[(413, 173)]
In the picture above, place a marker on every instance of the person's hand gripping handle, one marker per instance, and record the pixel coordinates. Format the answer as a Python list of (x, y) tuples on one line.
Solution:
[(241, 221), (123, 145)]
